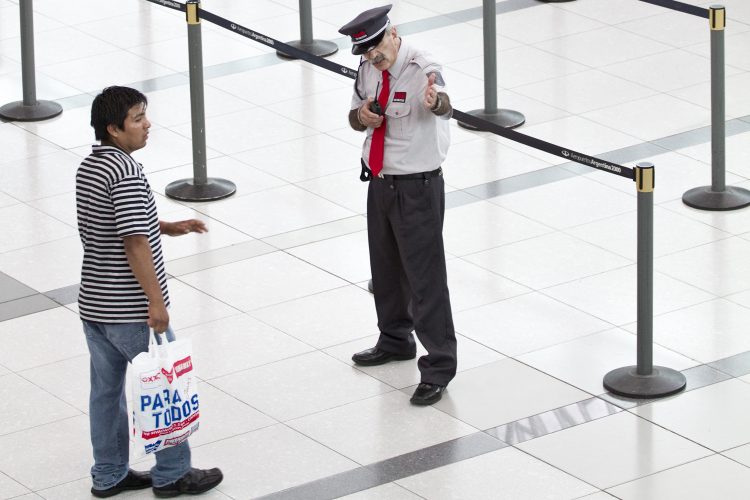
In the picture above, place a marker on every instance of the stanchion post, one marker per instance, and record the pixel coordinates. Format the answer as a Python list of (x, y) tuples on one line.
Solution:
[(29, 109), (717, 196), (200, 187), (503, 117), (320, 48), (645, 380)]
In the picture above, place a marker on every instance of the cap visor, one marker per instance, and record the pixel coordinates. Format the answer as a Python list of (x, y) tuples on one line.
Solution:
[(363, 48)]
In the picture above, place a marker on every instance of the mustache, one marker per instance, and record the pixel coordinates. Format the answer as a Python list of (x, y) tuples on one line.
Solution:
[(378, 59)]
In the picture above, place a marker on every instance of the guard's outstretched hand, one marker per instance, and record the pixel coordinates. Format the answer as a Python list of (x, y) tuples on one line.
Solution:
[(430, 93)]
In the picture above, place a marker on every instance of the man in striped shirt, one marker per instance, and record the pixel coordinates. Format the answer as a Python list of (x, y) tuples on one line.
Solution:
[(124, 293)]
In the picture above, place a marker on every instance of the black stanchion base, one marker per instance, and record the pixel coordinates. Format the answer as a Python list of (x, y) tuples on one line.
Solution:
[(42, 110), (704, 198), (506, 118), (627, 382), (555, 1), (369, 286), (321, 48), (214, 189)]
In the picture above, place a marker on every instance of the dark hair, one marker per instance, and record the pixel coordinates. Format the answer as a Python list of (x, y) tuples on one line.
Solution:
[(111, 108)]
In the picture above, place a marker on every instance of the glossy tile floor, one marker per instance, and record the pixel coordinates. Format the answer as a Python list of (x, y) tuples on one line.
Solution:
[(541, 256)]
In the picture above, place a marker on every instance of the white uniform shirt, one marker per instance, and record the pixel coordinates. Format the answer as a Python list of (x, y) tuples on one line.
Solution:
[(416, 140)]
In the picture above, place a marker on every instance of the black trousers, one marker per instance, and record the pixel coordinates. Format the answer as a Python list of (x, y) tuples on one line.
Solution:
[(407, 259)]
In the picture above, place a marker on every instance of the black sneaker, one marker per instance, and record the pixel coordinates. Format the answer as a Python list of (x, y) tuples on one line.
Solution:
[(196, 481), (133, 481)]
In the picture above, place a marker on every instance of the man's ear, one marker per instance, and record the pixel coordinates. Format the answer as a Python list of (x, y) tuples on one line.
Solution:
[(394, 32), (112, 130)]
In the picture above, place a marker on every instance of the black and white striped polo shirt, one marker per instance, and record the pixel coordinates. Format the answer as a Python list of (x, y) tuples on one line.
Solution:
[(114, 200)]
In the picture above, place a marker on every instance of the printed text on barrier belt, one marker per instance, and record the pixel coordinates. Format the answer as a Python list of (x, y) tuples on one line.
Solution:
[(533, 142)]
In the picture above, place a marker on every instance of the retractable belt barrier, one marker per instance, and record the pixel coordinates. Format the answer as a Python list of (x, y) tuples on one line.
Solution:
[(680, 6), (479, 123), (643, 380)]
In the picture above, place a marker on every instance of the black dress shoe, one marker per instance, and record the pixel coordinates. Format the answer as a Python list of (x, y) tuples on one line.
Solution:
[(427, 394), (375, 356), (133, 481), (196, 481)]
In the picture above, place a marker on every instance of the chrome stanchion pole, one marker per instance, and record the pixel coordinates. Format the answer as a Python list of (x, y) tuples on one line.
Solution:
[(645, 380), (200, 187), (504, 117), (717, 196), (30, 109), (320, 48)]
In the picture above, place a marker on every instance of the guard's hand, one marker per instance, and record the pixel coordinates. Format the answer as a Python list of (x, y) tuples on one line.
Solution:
[(367, 117), (431, 92)]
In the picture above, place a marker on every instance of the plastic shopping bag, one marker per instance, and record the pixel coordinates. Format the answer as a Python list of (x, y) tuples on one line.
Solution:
[(166, 409)]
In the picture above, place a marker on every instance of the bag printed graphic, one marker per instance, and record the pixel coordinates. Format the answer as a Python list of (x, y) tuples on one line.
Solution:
[(166, 408)]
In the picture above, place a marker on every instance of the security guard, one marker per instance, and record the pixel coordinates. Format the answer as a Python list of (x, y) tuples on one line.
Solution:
[(399, 99)]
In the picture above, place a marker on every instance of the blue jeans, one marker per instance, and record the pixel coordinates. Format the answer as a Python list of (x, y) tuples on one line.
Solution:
[(112, 346)]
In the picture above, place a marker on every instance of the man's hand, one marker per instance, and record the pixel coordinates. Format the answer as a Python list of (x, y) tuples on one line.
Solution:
[(182, 227), (158, 317), (430, 93), (367, 117)]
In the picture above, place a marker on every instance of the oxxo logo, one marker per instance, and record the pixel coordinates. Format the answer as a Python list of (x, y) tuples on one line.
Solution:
[(150, 380)]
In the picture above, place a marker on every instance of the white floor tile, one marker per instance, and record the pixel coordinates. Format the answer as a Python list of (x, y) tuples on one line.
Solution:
[(547, 260), (584, 362), (381, 427), (585, 91), (484, 233), (325, 319), (306, 158), (39, 266), (10, 488), (236, 343), (48, 336), (535, 25), (17, 144), (557, 205), (498, 393), (715, 477), (390, 491), (276, 211), (694, 414), (481, 161), (613, 296), (706, 332), (346, 256), (192, 307), (526, 323), (25, 405), (262, 281), (472, 286), (507, 473), (269, 460), (67, 380), (698, 266), (300, 386), (614, 449), (27, 452)]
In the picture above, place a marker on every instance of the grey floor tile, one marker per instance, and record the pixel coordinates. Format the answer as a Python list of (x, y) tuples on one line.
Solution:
[(11, 289), (26, 305)]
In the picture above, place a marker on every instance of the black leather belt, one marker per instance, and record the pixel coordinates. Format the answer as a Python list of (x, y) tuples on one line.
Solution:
[(406, 177)]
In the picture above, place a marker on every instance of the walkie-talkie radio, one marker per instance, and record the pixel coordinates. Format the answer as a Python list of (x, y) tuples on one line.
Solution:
[(375, 105)]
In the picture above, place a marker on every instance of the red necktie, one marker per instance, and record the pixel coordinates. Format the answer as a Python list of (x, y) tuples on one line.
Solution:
[(378, 135)]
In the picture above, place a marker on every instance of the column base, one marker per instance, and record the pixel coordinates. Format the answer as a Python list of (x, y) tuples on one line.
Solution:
[(661, 382), (214, 189), (703, 198), (42, 110), (321, 48)]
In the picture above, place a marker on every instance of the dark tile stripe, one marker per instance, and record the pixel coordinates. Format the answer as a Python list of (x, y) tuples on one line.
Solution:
[(393, 469)]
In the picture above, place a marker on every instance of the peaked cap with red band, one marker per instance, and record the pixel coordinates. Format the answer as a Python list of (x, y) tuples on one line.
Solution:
[(367, 29)]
